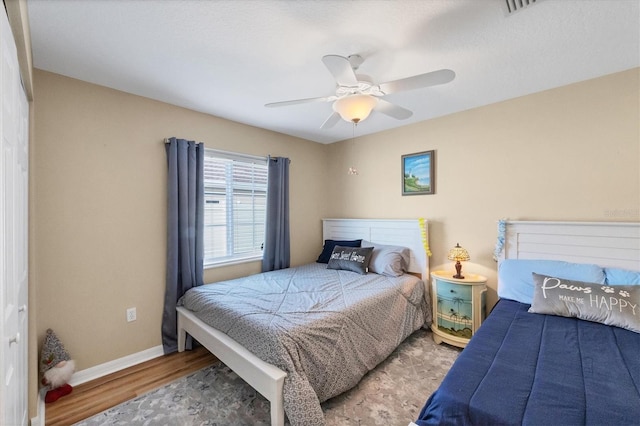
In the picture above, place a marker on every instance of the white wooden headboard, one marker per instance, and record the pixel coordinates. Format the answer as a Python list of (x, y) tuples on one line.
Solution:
[(608, 244), (401, 232)]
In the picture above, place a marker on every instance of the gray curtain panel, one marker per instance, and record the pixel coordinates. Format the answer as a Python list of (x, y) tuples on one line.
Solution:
[(185, 230), (276, 253)]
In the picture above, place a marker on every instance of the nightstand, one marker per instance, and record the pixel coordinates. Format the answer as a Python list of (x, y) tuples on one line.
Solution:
[(458, 306)]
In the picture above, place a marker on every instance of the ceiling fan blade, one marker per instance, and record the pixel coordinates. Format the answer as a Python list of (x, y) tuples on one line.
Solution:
[(331, 121), (340, 68), (299, 101), (418, 81), (392, 110)]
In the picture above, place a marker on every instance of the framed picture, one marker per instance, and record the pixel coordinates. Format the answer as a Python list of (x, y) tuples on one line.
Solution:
[(418, 173)]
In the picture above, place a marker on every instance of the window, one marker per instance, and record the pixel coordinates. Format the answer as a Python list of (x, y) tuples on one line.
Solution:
[(235, 195)]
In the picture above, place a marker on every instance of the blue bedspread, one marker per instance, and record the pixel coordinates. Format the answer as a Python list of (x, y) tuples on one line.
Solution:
[(531, 369)]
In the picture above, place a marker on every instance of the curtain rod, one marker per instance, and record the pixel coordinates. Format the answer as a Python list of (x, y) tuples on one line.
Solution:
[(254, 157), (278, 158)]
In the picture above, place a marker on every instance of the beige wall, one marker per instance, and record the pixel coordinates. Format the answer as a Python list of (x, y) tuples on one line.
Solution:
[(98, 178), (571, 153)]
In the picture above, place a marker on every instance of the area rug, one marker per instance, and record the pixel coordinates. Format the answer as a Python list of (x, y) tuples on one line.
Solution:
[(391, 394)]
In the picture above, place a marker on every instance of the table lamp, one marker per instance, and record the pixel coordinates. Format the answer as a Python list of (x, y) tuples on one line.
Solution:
[(458, 253)]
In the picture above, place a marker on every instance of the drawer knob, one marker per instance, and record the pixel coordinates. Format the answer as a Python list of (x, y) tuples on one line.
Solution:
[(452, 291)]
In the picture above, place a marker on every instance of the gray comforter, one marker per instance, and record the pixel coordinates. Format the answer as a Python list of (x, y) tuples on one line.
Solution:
[(324, 328)]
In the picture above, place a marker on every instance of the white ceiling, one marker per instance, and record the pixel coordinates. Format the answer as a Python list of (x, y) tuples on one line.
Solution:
[(229, 58)]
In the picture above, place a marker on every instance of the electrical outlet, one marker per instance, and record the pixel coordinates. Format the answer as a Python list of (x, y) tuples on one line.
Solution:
[(131, 314)]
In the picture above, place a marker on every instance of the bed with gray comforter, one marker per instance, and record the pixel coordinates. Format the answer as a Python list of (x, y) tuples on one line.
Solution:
[(325, 328)]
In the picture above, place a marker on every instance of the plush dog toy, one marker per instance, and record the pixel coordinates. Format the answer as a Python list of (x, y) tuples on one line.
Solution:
[(57, 368)]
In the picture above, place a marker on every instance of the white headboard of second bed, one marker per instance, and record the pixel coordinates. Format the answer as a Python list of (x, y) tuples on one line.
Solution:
[(608, 244), (400, 232)]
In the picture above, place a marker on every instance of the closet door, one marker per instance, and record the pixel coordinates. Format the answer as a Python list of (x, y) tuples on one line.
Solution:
[(14, 113)]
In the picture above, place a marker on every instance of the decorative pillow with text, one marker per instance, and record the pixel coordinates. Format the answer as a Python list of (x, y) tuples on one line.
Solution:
[(617, 305), (354, 259)]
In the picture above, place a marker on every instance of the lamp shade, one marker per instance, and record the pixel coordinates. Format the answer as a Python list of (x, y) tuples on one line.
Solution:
[(355, 108), (458, 253)]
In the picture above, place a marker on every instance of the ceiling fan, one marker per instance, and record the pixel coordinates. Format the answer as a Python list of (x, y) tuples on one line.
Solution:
[(356, 95)]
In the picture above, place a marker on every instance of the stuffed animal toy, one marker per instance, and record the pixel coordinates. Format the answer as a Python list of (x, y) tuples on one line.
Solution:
[(57, 368)]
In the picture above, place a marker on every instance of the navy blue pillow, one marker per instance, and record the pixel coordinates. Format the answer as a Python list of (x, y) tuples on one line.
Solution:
[(329, 246)]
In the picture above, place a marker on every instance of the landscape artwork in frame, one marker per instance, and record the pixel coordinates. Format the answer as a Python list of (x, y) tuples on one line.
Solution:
[(418, 173)]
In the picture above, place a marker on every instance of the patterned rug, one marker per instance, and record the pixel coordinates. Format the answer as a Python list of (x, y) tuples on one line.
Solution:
[(391, 394)]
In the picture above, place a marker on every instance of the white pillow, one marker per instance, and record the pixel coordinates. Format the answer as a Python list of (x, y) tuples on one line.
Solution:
[(391, 261)]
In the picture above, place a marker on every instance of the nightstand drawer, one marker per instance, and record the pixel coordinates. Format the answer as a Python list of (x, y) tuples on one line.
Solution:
[(450, 290)]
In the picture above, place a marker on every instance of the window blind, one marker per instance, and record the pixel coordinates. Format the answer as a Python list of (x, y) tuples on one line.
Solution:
[(235, 188)]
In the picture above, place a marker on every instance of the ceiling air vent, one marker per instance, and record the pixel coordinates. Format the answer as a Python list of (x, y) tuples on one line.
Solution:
[(516, 5)]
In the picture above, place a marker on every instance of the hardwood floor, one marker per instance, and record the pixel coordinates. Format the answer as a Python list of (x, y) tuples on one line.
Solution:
[(98, 395)]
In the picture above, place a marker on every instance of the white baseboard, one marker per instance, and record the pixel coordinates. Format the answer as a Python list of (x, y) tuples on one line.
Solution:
[(101, 370), (96, 372), (39, 419)]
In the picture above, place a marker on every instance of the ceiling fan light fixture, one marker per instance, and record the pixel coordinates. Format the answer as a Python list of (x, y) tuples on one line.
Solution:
[(355, 108)]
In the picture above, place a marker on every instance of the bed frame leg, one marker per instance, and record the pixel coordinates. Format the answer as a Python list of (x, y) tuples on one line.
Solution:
[(277, 413), (182, 336), (276, 398)]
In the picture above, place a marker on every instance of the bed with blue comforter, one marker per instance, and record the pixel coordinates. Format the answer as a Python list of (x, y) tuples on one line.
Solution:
[(538, 369)]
